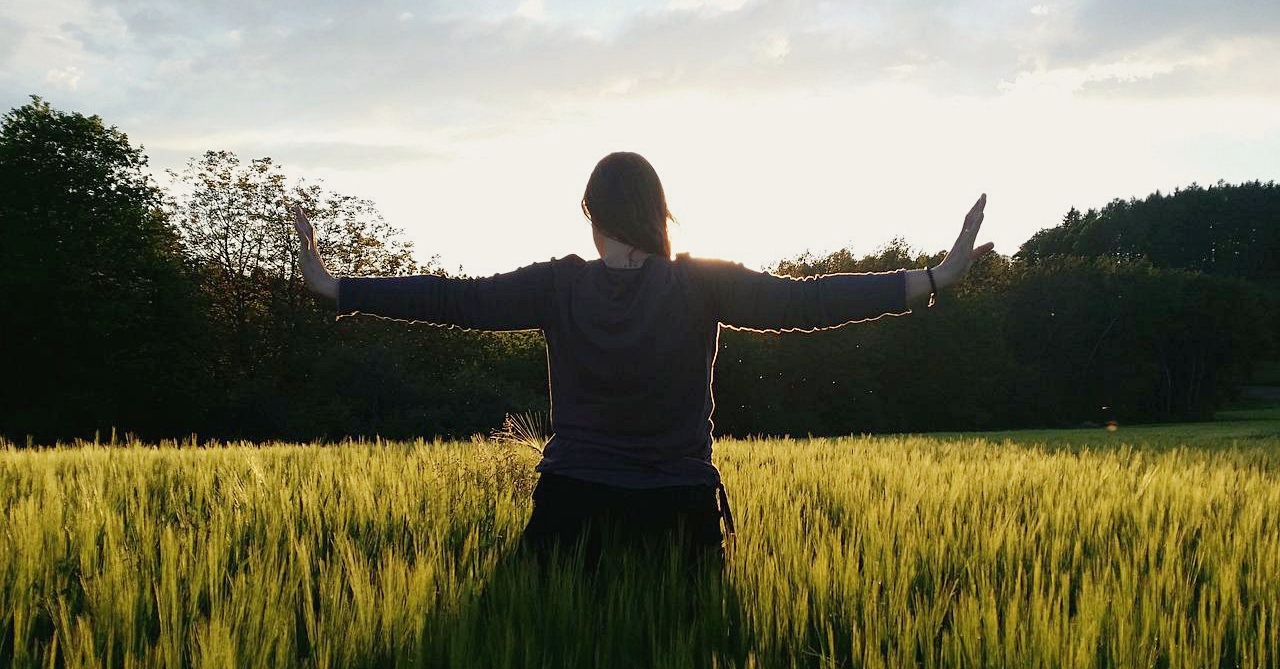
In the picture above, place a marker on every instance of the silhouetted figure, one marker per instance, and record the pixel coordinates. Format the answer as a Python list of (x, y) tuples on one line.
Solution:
[(631, 344)]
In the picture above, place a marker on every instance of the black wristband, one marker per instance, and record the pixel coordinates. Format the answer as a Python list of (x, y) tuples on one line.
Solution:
[(933, 287)]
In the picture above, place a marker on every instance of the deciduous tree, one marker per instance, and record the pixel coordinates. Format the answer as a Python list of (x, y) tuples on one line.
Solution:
[(96, 300)]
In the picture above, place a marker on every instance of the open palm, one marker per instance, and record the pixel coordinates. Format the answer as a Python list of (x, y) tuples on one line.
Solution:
[(963, 254), (317, 278), (964, 248)]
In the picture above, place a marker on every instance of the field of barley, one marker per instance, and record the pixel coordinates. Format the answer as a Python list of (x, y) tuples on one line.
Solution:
[(1149, 547)]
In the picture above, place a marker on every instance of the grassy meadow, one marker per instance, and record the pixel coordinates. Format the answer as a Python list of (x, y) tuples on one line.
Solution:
[(1148, 547)]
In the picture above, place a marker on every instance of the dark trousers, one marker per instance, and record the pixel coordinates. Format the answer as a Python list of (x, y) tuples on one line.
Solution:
[(607, 522)]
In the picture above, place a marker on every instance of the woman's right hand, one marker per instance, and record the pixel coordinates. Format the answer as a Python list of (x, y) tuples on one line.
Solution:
[(317, 278)]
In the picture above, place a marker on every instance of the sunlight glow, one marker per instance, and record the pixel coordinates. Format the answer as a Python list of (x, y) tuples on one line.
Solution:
[(764, 179), (777, 128)]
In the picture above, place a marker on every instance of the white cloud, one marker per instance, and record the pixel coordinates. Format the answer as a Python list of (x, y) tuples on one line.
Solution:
[(11, 34), (67, 78), (705, 5), (773, 50), (621, 86), (531, 9), (462, 67), (448, 100), (901, 71), (174, 67), (1242, 67), (1094, 30)]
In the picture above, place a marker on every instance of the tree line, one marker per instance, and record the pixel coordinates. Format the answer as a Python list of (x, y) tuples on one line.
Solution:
[(168, 312)]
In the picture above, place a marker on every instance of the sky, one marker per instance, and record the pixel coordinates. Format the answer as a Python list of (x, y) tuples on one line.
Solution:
[(777, 126)]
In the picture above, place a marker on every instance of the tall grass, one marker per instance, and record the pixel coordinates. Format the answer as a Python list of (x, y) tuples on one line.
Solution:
[(865, 552)]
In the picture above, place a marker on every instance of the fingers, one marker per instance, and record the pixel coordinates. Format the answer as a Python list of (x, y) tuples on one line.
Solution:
[(973, 220), (969, 231), (305, 231), (981, 251)]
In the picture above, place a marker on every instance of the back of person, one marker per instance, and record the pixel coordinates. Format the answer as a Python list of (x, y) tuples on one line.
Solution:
[(630, 353), (631, 345)]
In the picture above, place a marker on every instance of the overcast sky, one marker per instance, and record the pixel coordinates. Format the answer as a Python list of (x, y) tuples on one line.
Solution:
[(776, 126)]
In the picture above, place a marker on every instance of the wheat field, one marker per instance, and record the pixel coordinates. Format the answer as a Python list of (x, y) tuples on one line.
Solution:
[(907, 551)]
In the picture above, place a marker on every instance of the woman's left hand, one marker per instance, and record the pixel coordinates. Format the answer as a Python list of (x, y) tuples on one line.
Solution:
[(962, 253)]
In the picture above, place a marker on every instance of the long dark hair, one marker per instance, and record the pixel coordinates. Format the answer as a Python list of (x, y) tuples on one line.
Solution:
[(624, 200)]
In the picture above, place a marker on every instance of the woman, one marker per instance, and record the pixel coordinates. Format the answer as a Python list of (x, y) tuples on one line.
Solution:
[(631, 346)]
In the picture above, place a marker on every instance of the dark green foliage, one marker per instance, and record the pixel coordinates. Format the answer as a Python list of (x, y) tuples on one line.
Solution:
[(1062, 341), (1104, 339), (399, 381), (281, 366), (162, 318), (1204, 334), (1225, 230), (165, 317), (98, 306)]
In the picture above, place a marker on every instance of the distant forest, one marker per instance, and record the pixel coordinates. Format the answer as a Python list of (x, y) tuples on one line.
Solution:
[(180, 311)]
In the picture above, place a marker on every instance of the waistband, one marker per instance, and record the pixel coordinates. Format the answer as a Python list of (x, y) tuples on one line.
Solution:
[(561, 485)]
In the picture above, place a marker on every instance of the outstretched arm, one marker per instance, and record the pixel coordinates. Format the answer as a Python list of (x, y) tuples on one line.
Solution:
[(742, 298), (959, 258), (513, 301), (739, 297)]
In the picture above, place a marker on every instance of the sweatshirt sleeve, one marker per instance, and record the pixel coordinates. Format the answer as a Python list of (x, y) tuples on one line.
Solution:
[(518, 300), (743, 298)]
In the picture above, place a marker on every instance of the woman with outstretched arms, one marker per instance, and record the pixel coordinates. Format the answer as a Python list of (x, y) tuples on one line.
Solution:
[(631, 344)]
